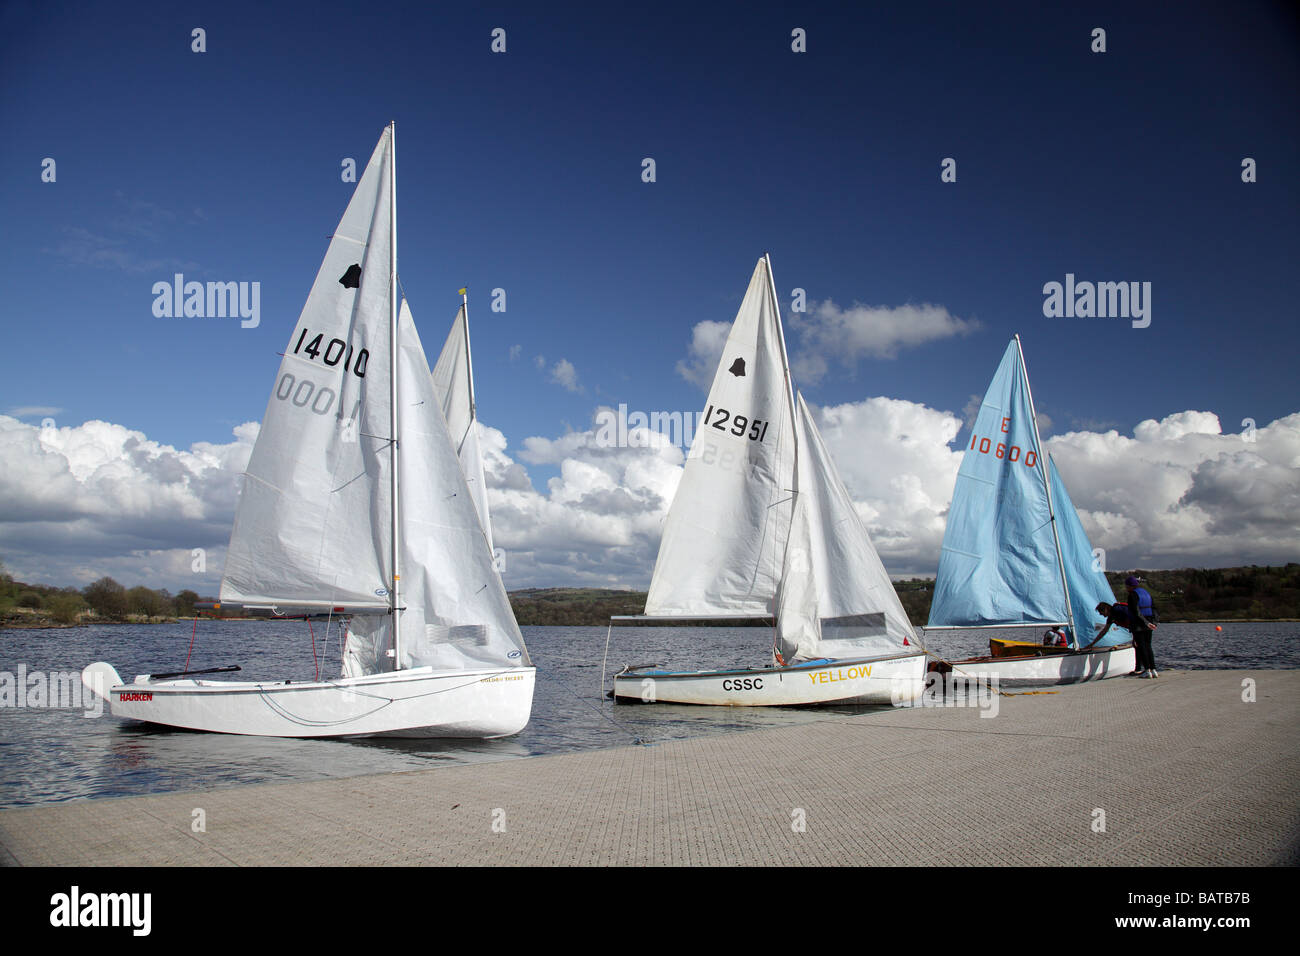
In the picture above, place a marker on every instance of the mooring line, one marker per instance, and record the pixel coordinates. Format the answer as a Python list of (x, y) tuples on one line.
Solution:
[(636, 738)]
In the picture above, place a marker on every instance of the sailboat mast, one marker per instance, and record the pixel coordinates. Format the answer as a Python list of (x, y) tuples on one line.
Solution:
[(1047, 484), (794, 432), (469, 356), (393, 418), (785, 360)]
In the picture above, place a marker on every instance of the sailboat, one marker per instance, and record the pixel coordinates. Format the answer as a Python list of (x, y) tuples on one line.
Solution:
[(354, 505), (1015, 553), (762, 527)]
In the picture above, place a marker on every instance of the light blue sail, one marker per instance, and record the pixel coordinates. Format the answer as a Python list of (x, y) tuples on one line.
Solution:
[(1088, 584), (999, 564)]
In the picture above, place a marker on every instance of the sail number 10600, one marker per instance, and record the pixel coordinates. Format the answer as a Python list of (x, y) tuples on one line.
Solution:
[(1001, 449), (724, 421)]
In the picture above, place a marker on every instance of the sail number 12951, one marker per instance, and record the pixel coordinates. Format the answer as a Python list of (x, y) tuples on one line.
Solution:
[(737, 425)]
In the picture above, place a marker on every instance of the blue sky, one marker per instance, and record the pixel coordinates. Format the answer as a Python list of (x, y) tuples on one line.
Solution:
[(522, 171)]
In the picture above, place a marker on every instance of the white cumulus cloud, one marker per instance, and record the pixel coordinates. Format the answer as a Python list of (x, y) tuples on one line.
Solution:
[(830, 334), (707, 342), (80, 502), (75, 497), (1181, 493)]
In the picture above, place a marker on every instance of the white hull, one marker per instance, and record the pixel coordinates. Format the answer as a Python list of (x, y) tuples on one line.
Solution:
[(1070, 667), (881, 680), (421, 702)]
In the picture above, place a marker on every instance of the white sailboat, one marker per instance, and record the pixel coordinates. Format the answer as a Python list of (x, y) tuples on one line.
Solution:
[(354, 504), (762, 527), (1015, 553)]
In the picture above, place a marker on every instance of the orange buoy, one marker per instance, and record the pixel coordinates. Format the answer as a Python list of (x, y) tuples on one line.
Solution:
[(1218, 627)]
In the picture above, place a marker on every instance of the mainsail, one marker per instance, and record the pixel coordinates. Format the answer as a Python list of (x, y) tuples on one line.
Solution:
[(315, 522), (453, 383), (1000, 563), (836, 599), (313, 526), (725, 536)]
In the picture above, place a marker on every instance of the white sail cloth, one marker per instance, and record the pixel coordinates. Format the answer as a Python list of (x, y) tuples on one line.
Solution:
[(312, 526), (726, 532), (455, 610), (453, 385), (836, 598)]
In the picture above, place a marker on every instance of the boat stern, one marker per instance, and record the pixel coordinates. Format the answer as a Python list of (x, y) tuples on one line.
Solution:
[(100, 678)]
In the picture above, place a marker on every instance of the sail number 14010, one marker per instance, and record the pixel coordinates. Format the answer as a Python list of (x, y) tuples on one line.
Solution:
[(305, 393), (334, 350)]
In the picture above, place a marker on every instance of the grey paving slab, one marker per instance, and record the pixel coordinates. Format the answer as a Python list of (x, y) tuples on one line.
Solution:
[(1175, 771)]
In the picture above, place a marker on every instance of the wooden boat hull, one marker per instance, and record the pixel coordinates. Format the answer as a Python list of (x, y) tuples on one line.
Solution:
[(881, 680), (1037, 665), (418, 703)]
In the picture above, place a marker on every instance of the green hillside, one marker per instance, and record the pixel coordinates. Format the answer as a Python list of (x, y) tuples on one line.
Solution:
[(1187, 594)]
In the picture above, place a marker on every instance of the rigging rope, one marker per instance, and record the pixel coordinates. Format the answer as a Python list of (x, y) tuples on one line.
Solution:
[(314, 659), (192, 633)]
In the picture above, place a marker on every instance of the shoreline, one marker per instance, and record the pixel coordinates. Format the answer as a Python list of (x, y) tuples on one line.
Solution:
[(11, 626), (1184, 771)]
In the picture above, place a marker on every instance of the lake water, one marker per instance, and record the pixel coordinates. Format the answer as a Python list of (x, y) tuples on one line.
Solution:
[(49, 754)]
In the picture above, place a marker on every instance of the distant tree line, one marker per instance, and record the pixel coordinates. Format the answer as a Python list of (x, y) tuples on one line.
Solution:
[(1188, 594), (573, 606), (104, 600), (1194, 594)]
